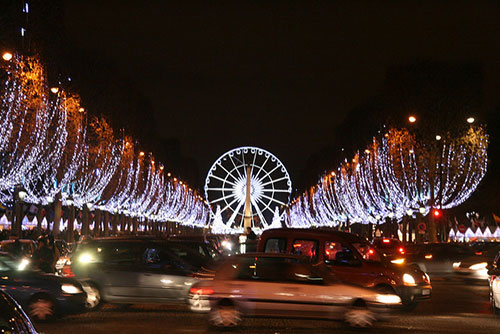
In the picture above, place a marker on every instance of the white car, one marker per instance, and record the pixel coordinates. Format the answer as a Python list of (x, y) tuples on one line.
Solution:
[(284, 286), (494, 281)]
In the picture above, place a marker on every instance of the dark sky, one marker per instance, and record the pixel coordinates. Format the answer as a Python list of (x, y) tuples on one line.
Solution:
[(281, 75)]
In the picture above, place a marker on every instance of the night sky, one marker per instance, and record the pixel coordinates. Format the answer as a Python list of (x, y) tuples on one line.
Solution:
[(281, 75)]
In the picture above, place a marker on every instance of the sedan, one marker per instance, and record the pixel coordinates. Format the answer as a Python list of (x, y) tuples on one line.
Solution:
[(284, 286), (44, 296), (475, 267)]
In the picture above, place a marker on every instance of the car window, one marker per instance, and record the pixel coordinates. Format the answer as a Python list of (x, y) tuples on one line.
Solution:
[(275, 245), (339, 254), (307, 248)]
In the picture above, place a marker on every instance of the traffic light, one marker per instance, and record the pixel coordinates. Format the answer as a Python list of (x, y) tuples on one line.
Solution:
[(436, 213)]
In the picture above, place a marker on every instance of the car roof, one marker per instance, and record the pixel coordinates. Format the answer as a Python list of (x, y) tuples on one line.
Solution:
[(313, 233)]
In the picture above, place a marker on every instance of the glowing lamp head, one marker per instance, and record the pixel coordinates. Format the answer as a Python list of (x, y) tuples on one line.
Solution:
[(81, 109), (7, 56), (438, 137), (470, 120), (436, 213), (54, 90), (412, 119)]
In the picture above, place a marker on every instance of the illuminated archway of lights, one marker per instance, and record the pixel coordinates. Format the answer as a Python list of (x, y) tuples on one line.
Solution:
[(225, 186), (396, 175), (50, 146)]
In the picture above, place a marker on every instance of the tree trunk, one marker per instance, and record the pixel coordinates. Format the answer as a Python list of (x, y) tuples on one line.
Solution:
[(57, 215)]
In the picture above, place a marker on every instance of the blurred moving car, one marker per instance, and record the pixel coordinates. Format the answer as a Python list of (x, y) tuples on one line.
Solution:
[(27, 247), (437, 258), (475, 267), (43, 296), (12, 317), (352, 259), (390, 248), (284, 286), (134, 270), (494, 282)]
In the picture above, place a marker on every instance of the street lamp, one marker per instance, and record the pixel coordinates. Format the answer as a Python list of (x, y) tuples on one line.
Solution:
[(470, 120), (438, 137), (412, 119), (54, 90)]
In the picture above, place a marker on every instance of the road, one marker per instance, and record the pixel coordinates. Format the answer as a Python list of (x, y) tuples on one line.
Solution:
[(456, 307)]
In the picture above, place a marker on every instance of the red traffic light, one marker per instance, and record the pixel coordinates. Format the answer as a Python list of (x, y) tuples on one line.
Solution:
[(436, 213)]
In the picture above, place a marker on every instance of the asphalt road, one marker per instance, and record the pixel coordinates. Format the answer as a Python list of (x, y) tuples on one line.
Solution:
[(455, 307)]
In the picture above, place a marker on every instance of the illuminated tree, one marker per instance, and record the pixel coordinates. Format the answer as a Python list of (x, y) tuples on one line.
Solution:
[(398, 173)]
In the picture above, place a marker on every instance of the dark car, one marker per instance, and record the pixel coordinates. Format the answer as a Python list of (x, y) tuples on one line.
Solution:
[(42, 296), (437, 258), (12, 317), (135, 270), (351, 258), (390, 248)]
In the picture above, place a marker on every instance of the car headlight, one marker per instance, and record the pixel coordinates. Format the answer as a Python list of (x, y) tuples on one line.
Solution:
[(87, 258), (478, 266), (408, 279), (398, 261), (23, 264), (388, 299), (227, 244), (456, 265), (70, 288)]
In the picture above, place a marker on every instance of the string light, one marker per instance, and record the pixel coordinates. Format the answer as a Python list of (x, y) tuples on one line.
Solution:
[(402, 175)]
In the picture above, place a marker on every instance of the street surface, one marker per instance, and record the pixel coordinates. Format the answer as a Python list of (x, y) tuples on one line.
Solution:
[(456, 307)]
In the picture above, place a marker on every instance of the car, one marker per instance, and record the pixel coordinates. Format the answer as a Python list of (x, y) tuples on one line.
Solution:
[(279, 285), (494, 284), (134, 270), (437, 258), (200, 244), (12, 317), (26, 249), (352, 259), (475, 267), (390, 248), (44, 296)]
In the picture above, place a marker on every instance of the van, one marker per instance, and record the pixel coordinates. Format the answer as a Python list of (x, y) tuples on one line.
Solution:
[(350, 258)]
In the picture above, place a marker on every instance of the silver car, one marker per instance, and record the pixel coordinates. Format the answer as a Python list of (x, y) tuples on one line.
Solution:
[(130, 271), (284, 286)]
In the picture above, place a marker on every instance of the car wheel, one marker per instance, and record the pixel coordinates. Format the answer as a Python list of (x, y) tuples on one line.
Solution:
[(94, 300), (493, 305), (359, 316), (224, 315), (41, 308)]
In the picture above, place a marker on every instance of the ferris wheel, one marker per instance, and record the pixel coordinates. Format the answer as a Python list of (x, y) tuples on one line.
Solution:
[(253, 169)]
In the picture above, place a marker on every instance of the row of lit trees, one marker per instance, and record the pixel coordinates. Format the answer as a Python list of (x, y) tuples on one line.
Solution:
[(398, 174), (56, 152)]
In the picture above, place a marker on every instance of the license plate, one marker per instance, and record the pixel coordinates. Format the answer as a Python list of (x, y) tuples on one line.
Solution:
[(426, 292)]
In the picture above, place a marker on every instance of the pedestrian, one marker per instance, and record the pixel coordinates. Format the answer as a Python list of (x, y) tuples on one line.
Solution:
[(251, 234), (43, 257)]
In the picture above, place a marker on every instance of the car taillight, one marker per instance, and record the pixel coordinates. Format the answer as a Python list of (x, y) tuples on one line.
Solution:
[(67, 272), (201, 291), (401, 250)]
